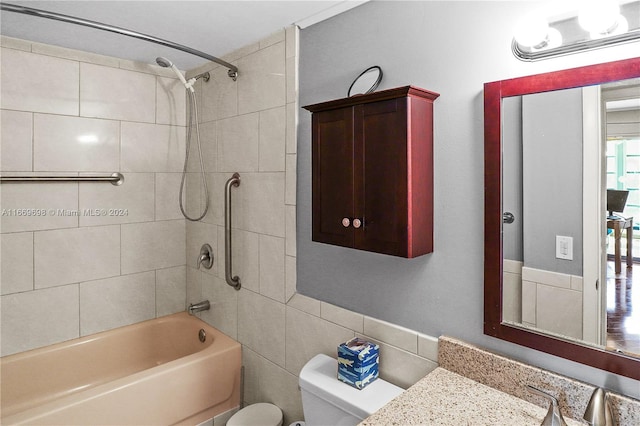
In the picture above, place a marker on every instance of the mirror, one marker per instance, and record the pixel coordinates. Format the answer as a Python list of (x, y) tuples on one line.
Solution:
[(366, 82), (546, 226)]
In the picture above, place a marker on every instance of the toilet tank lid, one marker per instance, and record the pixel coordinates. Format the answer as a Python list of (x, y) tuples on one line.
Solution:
[(319, 377)]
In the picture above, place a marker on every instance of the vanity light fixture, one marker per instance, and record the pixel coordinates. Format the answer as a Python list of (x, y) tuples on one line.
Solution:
[(598, 23)]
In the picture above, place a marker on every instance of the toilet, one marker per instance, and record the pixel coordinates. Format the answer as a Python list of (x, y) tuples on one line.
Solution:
[(327, 401), (260, 414)]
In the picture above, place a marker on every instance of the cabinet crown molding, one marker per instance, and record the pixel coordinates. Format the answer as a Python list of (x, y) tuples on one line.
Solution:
[(373, 97)]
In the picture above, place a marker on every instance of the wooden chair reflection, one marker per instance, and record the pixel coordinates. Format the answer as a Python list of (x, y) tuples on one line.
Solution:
[(618, 225)]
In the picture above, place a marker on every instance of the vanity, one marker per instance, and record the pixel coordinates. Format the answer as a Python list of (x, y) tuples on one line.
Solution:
[(473, 386), (449, 399)]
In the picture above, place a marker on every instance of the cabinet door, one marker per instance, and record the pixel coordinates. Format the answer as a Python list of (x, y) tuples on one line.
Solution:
[(381, 176), (332, 171)]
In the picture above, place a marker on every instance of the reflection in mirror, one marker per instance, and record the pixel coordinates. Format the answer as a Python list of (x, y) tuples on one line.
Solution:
[(545, 141), (542, 186), (559, 276), (621, 102)]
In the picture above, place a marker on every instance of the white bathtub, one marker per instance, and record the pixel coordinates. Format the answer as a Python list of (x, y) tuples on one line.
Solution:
[(157, 372)]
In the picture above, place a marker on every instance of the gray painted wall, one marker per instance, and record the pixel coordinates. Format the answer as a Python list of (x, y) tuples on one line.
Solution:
[(552, 178), (451, 48), (512, 177), (542, 178)]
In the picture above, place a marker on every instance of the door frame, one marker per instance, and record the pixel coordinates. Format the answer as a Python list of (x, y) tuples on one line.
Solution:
[(593, 221)]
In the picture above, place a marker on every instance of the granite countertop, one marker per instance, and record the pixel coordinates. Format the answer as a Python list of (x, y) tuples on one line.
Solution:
[(443, 398)]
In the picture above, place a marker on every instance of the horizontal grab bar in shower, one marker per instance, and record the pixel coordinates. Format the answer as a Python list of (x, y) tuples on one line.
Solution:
[(233, 70), (114, 179)]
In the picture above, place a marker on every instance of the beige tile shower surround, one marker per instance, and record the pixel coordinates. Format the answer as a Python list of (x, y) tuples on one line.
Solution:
[(65, 273)]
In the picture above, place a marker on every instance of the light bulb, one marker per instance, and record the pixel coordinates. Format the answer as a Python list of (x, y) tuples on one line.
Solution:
[(532, 31), (599, 17), (620, 26), (554, 38)]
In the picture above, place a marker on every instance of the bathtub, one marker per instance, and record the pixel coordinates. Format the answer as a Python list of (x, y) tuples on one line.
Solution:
[(156, 372)]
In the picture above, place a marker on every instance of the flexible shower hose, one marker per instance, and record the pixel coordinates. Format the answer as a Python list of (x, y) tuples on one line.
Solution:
[(193, 113)]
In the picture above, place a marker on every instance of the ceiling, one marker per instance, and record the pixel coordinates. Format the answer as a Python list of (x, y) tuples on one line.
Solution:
[(211, 26)]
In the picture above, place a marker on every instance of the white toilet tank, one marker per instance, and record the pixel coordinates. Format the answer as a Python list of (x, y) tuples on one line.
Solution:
[(327, 401)]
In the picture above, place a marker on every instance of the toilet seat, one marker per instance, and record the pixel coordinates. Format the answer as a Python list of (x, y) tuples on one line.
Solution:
[(260, 414)]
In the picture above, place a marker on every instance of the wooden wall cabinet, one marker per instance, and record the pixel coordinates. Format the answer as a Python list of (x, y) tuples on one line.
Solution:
[(372, 171)]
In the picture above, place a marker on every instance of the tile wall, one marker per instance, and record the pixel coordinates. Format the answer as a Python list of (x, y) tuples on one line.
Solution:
[(252, 123), (524, 286), (552, 301), (67, 272), (512, 290)]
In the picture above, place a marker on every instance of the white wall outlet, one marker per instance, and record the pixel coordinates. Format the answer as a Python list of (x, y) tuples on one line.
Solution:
[(564, 247)]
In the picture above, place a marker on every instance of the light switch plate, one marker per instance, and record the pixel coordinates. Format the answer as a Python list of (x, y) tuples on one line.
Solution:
[(564, 247)]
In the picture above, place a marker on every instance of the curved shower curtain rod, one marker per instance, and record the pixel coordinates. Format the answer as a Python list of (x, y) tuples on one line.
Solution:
[(233, 70)]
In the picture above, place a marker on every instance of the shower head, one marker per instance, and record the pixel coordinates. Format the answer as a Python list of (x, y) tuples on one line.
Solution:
[(165, 63)]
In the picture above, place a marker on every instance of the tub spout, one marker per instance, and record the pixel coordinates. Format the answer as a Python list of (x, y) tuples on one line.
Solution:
[(198, 307)]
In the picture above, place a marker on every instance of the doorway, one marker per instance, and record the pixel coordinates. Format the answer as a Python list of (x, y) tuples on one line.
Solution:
[(621, 107)]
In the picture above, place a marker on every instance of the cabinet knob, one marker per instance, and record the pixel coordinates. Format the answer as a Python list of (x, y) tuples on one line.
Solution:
[(346, 222), (357, 223)]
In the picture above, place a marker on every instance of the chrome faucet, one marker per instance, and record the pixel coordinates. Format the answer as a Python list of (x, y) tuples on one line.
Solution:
[(598, 412), (199, 307), (554, 416)]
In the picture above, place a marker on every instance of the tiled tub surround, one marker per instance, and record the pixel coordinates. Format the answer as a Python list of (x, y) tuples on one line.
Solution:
[(250, 128), (68, 274), (512, 377)]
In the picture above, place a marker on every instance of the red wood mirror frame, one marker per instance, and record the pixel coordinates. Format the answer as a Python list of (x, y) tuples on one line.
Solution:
[(493, 326)]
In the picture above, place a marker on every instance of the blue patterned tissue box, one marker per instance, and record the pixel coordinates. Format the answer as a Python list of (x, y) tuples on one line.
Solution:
[(358, 362)]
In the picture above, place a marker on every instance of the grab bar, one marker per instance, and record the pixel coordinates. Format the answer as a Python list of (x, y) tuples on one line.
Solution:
[(114, 178), (233, 281)]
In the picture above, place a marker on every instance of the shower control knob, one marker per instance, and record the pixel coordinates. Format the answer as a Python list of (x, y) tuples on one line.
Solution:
[(346, 222), (357, 223)]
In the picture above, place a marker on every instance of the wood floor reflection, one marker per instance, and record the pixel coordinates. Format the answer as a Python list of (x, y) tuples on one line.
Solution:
[(623, 309)]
